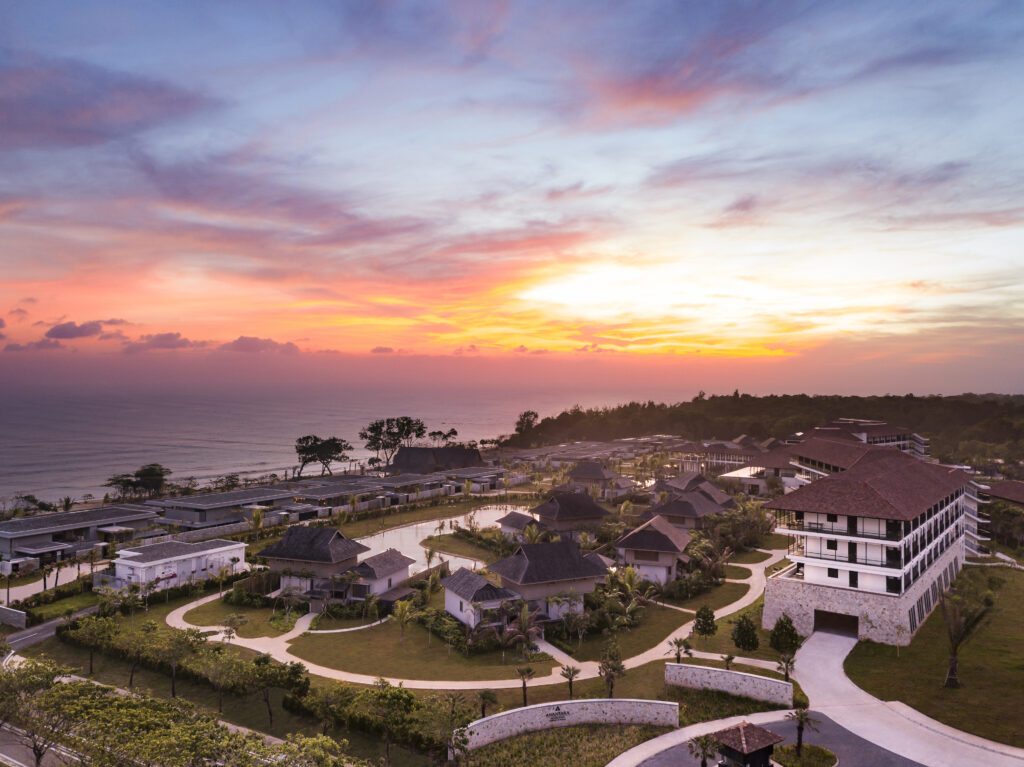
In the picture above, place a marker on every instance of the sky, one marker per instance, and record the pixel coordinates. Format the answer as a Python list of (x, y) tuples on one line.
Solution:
[(777, 196)]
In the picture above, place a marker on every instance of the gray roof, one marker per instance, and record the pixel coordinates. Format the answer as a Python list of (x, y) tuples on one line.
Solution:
[(473, 587), (154, 552), (693, 505), (547, 562), (657, 534), (69, 520), (563, 507), (380, 565), (591, 470), (519, 521), (220, 500), (313, 544)]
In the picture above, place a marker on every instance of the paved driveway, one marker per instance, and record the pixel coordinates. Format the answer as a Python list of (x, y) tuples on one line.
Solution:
[(893, 726), (851, 750)]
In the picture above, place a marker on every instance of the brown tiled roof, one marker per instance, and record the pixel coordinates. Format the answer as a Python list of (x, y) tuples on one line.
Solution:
[(657, 534), (835, 451), (884, 484), (747, 738), (564, 507), (1009, 490), (546, 562), (590, 470)]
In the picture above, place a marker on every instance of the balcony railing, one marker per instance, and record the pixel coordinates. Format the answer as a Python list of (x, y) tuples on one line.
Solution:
[(835, 556), (784, 525)]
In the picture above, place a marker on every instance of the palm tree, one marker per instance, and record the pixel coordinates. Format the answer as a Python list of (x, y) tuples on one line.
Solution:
[(569, 673), (786, 664), (702, 747), (256, 522), (525, 673), (679, 645), (402, 614), (962, 613), (525, 626), (507, 637), (802, 717), (533, 534), (486, 698)]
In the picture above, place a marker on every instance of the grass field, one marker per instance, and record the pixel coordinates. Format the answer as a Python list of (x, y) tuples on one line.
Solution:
[(326, 623), (749, 557), (657, 623), (214, 614), (61, 606), (722, 642), (590, 745), (775, 541), (717, 598), (380, 650), (812, 756), (449, 543), (248, 711), (737, 573), (990, 703)]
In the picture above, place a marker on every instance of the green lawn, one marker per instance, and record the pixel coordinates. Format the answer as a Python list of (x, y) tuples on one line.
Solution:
[(657, 623), (991, 702), (737, 573), (812, 756), (751, 557), (214, 614), (61, 606), (380, 650), (721, 642), (775, 541), (591, 745), (326, 623), (449, 543), (21, 580), (248, 711), (720, 596)]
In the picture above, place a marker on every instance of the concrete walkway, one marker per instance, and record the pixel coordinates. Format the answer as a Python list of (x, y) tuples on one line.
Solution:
[(278, 647), (894, 726)]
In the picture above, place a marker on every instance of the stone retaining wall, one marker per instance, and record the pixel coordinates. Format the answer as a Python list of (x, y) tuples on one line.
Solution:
[(568, 713), (733, 682), (881, 617), (11, 617)]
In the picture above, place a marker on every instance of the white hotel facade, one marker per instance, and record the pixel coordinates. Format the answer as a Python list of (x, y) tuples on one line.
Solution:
[(873, 546)]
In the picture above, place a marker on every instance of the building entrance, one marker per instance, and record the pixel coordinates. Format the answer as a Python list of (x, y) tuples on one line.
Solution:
[(836, 623)]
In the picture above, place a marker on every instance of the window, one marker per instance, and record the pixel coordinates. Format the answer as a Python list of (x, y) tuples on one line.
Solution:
[(913, 620), (854, 581), (831, 517), (389, 583), (833, 572), (460, 605), (892, 586), (831, 545)]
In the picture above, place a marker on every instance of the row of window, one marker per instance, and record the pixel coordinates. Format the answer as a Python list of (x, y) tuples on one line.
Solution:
[(931, 595)]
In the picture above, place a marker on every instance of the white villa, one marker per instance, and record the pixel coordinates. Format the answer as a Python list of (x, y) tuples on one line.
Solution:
[(874, 545), (473, 599), (173, 563)]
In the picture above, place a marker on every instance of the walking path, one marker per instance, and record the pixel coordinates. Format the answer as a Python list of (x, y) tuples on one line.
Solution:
[(894, 726), (278, 647)]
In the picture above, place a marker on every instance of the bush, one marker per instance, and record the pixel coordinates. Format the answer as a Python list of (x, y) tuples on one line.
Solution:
[(688, 587)]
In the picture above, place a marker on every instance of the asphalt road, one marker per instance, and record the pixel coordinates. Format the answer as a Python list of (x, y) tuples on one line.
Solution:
[(36, 634), (852, 750)]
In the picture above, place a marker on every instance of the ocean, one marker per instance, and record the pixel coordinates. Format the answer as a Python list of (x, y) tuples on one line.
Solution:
[(58, 443)]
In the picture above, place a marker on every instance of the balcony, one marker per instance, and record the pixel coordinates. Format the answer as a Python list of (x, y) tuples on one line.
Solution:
[(795, 527), (835, 556)]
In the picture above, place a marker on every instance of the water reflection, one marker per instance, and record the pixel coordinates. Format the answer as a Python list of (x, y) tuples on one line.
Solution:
[(407, 539)]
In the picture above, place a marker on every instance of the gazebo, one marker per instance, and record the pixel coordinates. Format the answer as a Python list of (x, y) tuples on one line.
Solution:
[(746, 745)]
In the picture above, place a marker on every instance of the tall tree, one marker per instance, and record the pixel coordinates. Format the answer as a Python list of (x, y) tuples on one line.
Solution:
[(525, 674), (331, 703), (174, 646), (702, 747), (611, 666), (152, 478), (569, 673), (391, 705), (803, 719), (784, 638), (94, 631), (744, 634), (964, 608), (526, 422), (704, 624), (268, 675)]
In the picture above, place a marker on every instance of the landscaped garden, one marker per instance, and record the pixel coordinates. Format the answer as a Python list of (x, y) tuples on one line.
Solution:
[(590, 745), (61, 607), (449, 543), (656, 624), (810, 756), (383, 651), (751, 557), (736, 573), (721, 641), (259, 621), (990, 702), (718, 597)]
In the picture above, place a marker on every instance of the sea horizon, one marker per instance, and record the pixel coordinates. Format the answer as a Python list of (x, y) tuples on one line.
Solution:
[(65, 442)]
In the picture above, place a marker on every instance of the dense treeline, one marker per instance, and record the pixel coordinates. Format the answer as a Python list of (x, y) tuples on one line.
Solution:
[(966, 427)]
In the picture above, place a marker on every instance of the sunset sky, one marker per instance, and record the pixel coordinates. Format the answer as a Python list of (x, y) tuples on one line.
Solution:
[(784, 195)]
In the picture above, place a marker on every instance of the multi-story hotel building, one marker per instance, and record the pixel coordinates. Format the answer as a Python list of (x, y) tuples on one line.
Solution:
[(875, 541)]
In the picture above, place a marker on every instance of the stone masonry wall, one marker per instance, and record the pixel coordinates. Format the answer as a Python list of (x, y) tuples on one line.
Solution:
[(882, 617), (568, 713), (732, 682)]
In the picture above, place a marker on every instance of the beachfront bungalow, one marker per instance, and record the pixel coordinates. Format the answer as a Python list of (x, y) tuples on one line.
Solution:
[(171, 563), (591, 474), (550, 577), (318, 551), (378, 574), (513, 525), (569, 513), (473, 599), (211, 509), (655, 550), (40, 539)]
